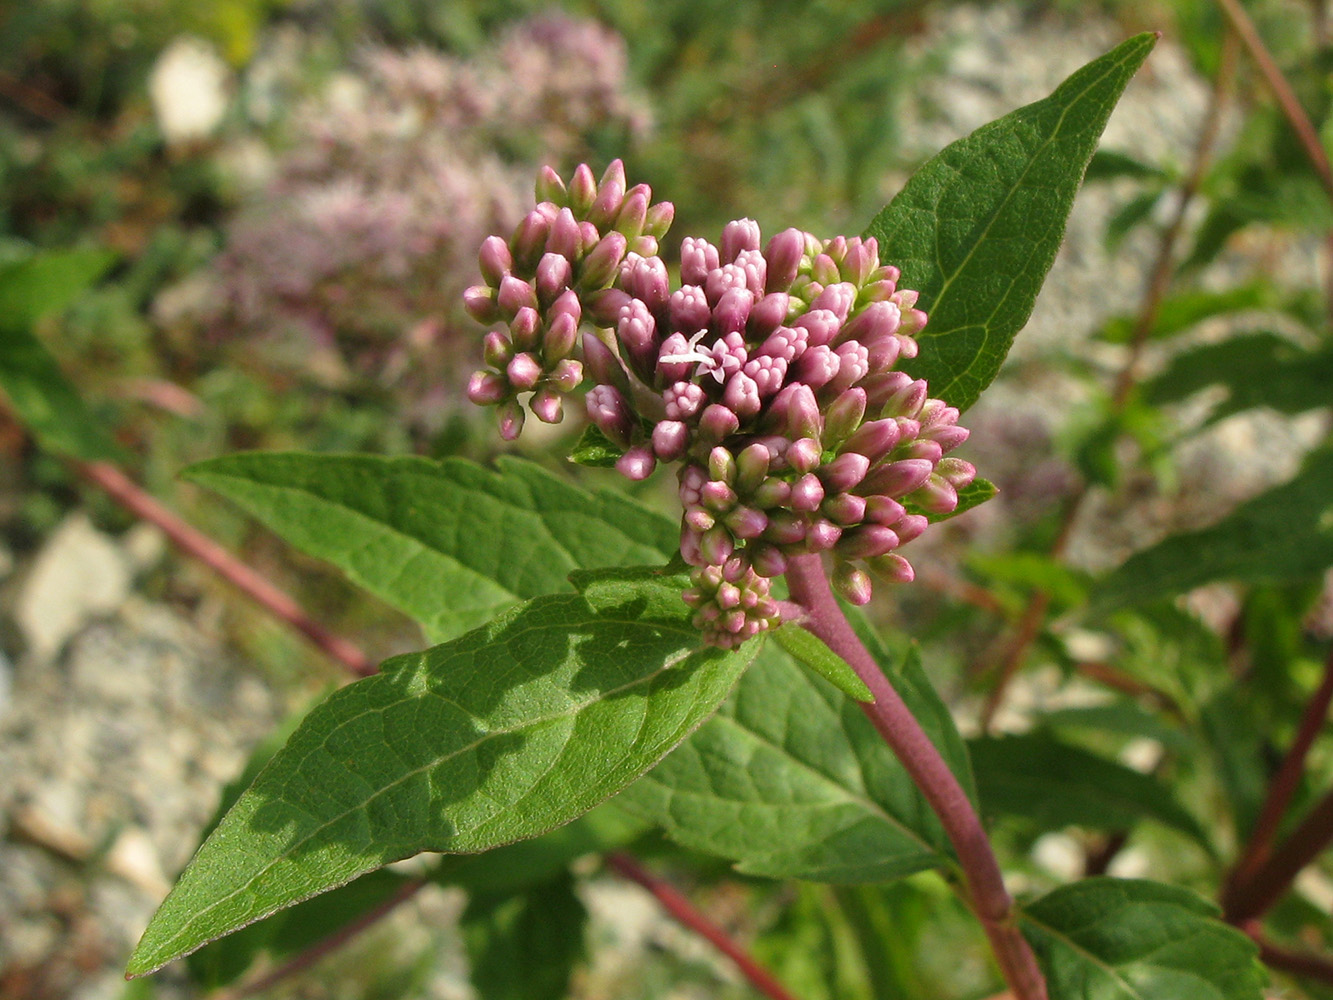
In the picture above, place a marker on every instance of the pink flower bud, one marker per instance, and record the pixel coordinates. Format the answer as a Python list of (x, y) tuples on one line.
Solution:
[(821, 326), (514, 294), (550, 187), (565, 240), (697, 258), (767, 314), (844, 415), (837, 298), (717, 423), (771, 493), (852, 583), (921, 448), (525, 328), (796, 412), (602, 262), (768, 373), (658, 219), (845, 472), (487, 388), (742, 396), (716, 545), (670, 439), (722, 465), (751, 467), (957, 472), (636, 464), (788, 343), (495, 260), (683, 400), (746, 522), (895, 479), (609, 411), (911, 526), (844, 509), (785, 528), (823, 535), (524, 372), (529, 239), (720, 279), (937, 496), (699, 519), (560, 338), (582, 189), (867, 542), (553, 274), (644, 246), (892, 568), (509, 415), (783, 253), (817, 367), (824, 269), (803, 455), (743, 234), (767, 560), (613, 174), (732, 311), (689, 308), (566, 375), (497, 349), (479, 301), (603, 365), (548, 406), (807, 493), (645, 278), (874, 440), (633, 211), (605, 304)]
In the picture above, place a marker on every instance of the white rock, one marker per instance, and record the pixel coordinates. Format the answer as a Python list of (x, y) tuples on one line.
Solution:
[(189, 88), (79, 575)]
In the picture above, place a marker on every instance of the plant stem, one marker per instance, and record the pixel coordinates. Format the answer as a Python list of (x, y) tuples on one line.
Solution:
[(1159, 282), (1297, 963), (1286, 97), (326, 945), (989, 898), (675, 903), (1274, 877), (195, 543), (1283, 787)]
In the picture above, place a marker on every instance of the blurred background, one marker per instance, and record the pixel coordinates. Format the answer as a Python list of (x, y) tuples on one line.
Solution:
[(292, 192)]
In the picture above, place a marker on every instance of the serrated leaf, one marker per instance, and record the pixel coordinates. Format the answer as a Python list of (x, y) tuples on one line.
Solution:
[(977, 228), (1281, 535), (525, 947), (44, 400), (790, 780), (1127, 939), (504, 733), (974, 494), (1052, 784), (807, 648), (595, 449), (1256, 370), (449, 543)]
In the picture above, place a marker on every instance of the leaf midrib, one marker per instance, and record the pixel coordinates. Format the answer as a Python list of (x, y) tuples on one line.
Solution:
[(527, 724)]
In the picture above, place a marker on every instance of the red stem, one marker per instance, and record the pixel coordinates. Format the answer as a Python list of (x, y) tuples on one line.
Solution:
[(195, 543), (675, 903), (1286, 97), (989, 898), (1297, 963), (1283, 788), (1274, 877), (303, 960)]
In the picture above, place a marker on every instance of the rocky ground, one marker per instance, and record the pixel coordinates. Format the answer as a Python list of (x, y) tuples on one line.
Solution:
[(121, 718)]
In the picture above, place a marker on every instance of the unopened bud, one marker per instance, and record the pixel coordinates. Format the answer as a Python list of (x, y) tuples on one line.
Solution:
[(509, 415), (497, 349), (495, 260), (524, 372), (658, 219), (636, 464), (743, 234), (550, 187), (582, 189), (548, 406), (487, 388), (602, 262), (852, 583), (892, 568), (479, 301)]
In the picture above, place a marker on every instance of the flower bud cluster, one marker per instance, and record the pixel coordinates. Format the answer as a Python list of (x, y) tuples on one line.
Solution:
[(769, 375), (562, 254)]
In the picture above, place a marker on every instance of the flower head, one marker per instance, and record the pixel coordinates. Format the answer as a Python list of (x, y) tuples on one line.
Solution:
[(769, 375)]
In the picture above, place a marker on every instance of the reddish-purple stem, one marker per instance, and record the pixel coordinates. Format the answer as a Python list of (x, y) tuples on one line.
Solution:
[(1282, 789), (675, 903), (989, 898), (303, 960), (1297, 963), (1274, 877), (195, 543)]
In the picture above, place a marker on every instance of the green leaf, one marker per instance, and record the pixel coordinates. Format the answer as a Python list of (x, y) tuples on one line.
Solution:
[(284, 934), (45, 401), (1184, 310), (1134, 212), (1123, 939), (1052, 784), (807, 648), (449, 543), (525, 947), (1108, 164), (501, 734), (790, 780), (1257, 369), (595, 449), (974, 494), (977, 228), (1284, 534)]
